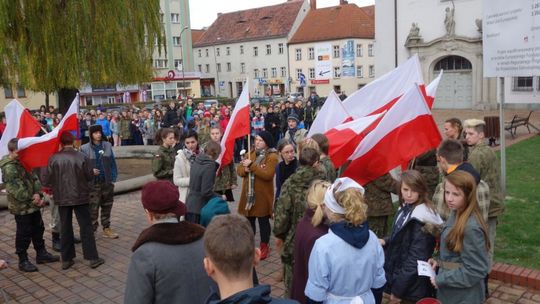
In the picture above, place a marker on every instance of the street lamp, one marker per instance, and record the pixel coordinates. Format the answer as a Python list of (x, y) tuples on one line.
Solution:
[(217, 71), (182, 47)]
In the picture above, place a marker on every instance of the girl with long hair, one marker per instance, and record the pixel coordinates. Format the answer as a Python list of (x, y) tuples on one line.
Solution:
[(412, 239), (288, 164), (464, 261)]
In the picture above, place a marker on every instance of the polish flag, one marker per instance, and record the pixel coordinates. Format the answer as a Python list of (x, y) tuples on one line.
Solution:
[(34, 152), (345, 138), (380, 94), (331, 114), (406, 131), (19, 124), (431, 90), (238, 126)]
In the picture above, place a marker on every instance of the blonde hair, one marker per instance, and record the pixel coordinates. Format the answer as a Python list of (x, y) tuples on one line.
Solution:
[(315, 200), (473, 123), (307, 143), (352, 201)]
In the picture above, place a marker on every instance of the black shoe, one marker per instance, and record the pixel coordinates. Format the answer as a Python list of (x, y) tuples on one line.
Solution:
[(67, 264), (46, 257), (56, 242), (76, 240), (96, 263), (27, 266)]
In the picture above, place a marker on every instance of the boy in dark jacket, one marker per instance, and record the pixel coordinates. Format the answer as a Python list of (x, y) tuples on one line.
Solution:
[(229, 245)]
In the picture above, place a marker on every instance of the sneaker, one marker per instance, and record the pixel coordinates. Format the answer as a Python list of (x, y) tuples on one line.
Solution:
[(46, 257), (265, 250), (95, 263), (67, 264), (108, 233), (27, 266)]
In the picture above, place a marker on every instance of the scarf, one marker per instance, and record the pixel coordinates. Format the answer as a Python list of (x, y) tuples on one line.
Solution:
[(259, 157)]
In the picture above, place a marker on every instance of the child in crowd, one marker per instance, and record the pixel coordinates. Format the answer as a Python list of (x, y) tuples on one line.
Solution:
[(349, 245), (464, 259), (412, 239), (229, 245), (163, 162)]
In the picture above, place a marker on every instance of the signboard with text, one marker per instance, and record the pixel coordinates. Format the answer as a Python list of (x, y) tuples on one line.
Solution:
[(347, 59), (511, 38), (323, 61)]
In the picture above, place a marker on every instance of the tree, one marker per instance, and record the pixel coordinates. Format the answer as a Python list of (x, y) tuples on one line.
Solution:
[(62, 45)]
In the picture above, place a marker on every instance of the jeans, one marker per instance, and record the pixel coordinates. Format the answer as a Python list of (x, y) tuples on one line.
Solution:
[(82, 212)]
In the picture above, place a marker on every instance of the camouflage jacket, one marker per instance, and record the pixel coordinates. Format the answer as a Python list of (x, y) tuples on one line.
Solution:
[(427, 165), (20, 186), (378, 195), (291, 206), (125, 131), (163, 163), (225, 178), (484, 160), (329, 169)]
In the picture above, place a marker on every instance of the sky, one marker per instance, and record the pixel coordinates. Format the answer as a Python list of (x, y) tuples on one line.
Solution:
[(204, 12)]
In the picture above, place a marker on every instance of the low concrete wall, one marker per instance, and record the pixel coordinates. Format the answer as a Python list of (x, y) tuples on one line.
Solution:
[(143, 152)]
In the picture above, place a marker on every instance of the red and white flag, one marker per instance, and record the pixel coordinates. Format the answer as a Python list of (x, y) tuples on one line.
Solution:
[(380, 94), (238, 126), (345, 138), (431, 90), (406, 131), (331, 114), (34, 152)]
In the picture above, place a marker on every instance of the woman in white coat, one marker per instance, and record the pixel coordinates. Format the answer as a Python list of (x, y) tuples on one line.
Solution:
[(183, 161)]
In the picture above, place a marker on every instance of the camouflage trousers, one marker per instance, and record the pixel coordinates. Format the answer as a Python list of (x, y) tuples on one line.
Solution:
[(287, 278), (379, 225), (101, 196)]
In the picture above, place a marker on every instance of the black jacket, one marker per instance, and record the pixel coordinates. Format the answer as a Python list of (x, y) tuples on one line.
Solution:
[(170, 118), (202, 176), (257, 295), (415, 241), (272, 118)]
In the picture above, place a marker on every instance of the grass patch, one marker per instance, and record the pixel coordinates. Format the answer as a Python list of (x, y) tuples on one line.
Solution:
[(518, 232)]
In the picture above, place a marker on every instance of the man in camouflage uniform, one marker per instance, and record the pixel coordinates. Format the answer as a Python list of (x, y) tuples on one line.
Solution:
[(427, 165), (125, 129), (100, 154), (485, 161), (291, 206), (326, 162), (24, 202), (226, 179), (379, 200)]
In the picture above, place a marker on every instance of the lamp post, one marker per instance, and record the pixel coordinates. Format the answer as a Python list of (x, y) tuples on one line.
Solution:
[(217, 71), (182, 47)]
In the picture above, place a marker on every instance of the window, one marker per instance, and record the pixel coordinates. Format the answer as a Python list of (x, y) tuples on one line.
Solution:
[(311, 73), (256, 73), (298, 73), (217, 52), (336, 51), (207, 68), (371, 71), (160, 63), (311, 53), (176, 40), (268, 49), (370, 50), (274, 72), (280, 48), (337, 72), (265, 73), (218, 67), (359, 50), (298, 53), (178, 64), (241, 50), (161, 16), (283, 72), (175, 18), (206, 51), (228, 50), (242, 67), (228, 66), (255, 51), (200, 67), (200, 53), (8, 92), (360, 71), (451, 63), (522, 84)]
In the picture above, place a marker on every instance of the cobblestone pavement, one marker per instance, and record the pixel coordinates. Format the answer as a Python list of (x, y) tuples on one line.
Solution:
[(81, 284)]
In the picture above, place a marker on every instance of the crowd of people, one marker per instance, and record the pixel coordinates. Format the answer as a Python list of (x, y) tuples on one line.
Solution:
[(338, 241)]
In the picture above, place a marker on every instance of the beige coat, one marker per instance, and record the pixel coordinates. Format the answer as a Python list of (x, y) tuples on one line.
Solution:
[(181, 174)]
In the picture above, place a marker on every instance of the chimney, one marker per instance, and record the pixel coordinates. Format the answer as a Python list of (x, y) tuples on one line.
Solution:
[(313, 4), (219, 14), (343, 2)]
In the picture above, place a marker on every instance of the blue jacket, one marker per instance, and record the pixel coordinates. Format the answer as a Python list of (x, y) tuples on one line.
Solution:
[(257, 295), (105, 125)]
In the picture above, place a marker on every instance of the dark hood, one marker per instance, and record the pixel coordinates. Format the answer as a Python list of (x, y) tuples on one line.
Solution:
[(259, 294), (356, 236)]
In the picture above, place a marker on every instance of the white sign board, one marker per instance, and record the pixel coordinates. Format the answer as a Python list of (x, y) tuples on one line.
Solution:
[(323, 64), (511, 34)]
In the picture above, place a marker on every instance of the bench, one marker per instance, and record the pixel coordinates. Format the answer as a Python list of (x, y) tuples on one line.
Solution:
[(516, 122)]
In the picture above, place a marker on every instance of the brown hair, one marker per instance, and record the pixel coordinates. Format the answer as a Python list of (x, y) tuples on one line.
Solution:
[(477, 124), (309, 156), (322, 141), (66, 138), (307, 143), (456, 123), (415, 180), (315, 199), (212, 149), (230, 244), (282, 143), (451, 150), (466, 183), (13, 144)]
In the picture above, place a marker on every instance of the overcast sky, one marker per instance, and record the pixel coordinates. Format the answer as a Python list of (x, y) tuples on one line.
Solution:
[(204, 12)]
